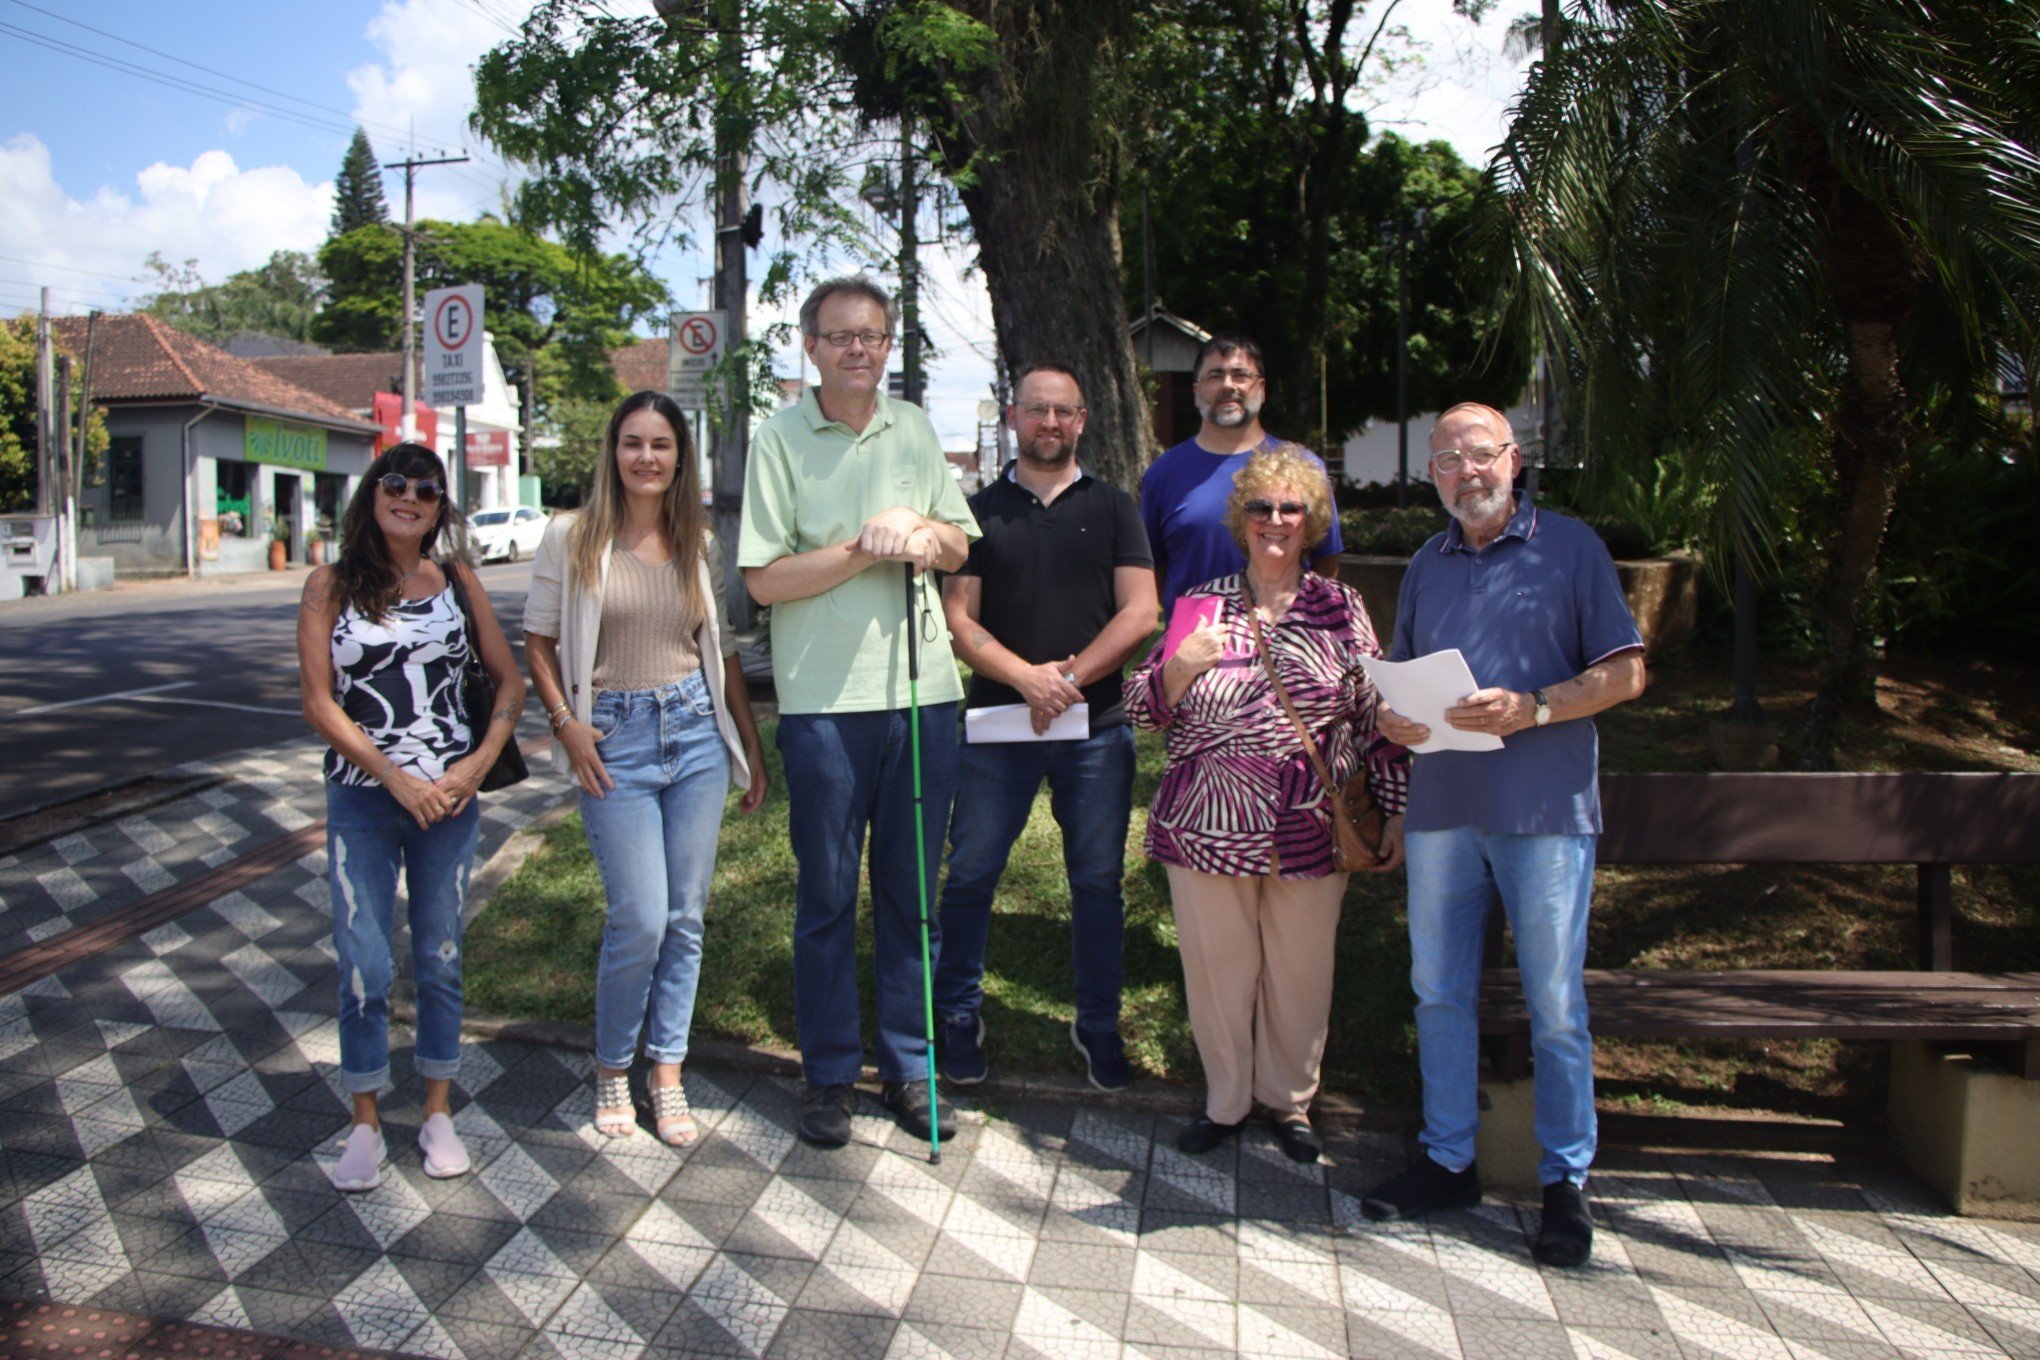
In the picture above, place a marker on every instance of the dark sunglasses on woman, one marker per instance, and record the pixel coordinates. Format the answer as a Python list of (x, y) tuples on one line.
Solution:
[(396, 483)]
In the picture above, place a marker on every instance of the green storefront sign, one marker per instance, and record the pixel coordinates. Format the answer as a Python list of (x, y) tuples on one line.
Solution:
[(280, 442)]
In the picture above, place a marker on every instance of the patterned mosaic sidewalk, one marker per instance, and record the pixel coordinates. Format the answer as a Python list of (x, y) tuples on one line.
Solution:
[(169, 1113)]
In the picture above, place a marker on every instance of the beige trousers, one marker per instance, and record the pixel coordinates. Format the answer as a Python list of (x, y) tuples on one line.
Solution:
[(1257, 971)]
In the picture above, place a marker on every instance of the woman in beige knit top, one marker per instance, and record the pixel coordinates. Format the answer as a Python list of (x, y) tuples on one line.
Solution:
[(633, 659)]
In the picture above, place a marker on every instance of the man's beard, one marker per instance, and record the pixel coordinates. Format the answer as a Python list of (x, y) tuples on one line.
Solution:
[(1248, 408), (1048, 453), (1474, 507)]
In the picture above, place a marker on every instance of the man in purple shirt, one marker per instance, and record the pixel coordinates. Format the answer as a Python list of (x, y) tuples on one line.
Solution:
[(1530, 597), (1183, 493)]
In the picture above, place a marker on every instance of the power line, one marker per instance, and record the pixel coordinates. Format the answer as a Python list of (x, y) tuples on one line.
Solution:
[(68, 288), (354, 119), (69, 269)]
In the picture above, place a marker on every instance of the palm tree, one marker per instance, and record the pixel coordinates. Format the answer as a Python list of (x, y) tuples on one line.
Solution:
[(1740, 225)]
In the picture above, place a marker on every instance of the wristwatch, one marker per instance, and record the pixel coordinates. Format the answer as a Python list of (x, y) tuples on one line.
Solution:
[(1070, 676), (1543, 706)]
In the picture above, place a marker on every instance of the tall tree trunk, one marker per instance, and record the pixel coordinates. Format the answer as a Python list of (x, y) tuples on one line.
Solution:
[(1875, 278), (1042, 194)]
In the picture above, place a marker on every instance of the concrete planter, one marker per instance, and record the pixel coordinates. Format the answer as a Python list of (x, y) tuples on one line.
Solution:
[(1663, 593)]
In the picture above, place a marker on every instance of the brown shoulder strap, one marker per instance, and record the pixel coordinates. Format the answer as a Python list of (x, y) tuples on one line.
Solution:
[(1310, 748)]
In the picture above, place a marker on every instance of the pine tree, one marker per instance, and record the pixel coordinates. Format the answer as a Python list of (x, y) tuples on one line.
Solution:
[(357, 189)]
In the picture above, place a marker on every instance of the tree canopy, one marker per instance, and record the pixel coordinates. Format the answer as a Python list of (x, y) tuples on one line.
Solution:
[(279, 297), (539, 296)]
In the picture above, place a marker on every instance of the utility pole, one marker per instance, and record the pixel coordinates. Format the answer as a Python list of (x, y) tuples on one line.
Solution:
[(67, 564), (45, 412), (910, 267), (74, 485), (1402, 367), (409, 428), (733, 224)]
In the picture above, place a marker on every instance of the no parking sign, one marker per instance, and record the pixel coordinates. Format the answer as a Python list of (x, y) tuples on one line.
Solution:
[(697, 346)]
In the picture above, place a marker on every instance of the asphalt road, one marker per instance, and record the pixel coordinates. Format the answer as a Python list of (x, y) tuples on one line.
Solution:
[(103, 688)]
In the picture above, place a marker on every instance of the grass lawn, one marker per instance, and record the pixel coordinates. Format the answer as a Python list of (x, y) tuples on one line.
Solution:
[(532, 951)]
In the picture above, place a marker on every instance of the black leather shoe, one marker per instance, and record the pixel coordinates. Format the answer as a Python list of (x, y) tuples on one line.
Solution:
[(1204, 1133), (825, 1114), (1299, 1140), (908, 1101), (1420, 1189), (1566, 1237)]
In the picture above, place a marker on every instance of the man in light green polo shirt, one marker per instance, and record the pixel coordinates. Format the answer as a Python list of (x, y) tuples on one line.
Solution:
[(846, 492)]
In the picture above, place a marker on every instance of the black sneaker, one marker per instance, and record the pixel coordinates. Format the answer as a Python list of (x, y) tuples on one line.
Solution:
[(908, 1101), (1423, 1187), (960, 1041), (1204, 1133), (825, 1114), (1566, 1237), (1104, 1057)]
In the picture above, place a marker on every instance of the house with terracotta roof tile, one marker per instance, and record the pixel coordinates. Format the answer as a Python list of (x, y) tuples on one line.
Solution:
[(211, 456), (368, 384)]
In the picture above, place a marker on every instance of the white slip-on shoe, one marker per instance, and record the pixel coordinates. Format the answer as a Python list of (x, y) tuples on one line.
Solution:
[(361, 1162), (445, 1154)]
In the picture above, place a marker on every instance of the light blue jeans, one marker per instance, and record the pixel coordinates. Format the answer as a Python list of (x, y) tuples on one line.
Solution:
[(654, 840), (369, 838), (1546, 883)]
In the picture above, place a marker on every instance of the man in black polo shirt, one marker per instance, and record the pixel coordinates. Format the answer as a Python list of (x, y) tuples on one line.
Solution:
[(1054, 598)]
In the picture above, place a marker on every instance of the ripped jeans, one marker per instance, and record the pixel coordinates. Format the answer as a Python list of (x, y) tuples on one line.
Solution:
[(368, 835)]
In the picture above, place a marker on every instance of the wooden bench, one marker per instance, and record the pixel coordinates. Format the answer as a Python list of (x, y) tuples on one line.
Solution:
[(1931, 821)]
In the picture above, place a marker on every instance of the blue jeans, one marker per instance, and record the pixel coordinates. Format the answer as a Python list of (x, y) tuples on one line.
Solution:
[(1090, 787), (369, 837), (846, 772), (654, 840), (1546, 883)]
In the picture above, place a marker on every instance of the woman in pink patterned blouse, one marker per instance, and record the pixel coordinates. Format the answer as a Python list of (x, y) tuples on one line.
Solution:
[(1241, 820)]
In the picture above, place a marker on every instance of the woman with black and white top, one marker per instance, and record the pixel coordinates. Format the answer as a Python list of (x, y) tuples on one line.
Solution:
[(381, 646)]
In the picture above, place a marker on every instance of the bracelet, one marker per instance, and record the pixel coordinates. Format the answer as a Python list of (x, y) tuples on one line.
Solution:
[(559, 718), (389, 772), (556, 710)]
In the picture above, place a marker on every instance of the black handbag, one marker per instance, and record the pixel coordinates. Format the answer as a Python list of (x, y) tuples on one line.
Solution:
[(478, 697)]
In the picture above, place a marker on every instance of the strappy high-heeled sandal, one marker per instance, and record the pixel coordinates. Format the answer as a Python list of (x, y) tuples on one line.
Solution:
[(672, 1116), (615, 1116)]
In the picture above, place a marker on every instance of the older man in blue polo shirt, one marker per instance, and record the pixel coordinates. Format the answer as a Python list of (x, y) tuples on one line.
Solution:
[(1531, 598)]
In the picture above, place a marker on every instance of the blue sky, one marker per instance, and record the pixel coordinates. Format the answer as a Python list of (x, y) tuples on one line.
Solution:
[(99, 166)]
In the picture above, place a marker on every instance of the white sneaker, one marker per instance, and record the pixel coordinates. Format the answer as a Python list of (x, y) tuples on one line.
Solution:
[(361, 1162)]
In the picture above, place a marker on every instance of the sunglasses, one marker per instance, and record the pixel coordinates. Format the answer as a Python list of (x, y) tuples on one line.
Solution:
[(396, 483), (1263, 511)]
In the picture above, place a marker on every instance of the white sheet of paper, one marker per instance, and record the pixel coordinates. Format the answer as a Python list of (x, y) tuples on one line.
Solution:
[(1421, 690), (1010, 722)]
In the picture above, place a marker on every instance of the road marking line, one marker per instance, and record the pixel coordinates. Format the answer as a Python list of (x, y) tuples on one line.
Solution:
[(102, 698), (216, 703)]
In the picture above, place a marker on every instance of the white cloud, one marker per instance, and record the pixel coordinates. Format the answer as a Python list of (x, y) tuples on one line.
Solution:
[(422, 88), (213, 211), (1460, 90)]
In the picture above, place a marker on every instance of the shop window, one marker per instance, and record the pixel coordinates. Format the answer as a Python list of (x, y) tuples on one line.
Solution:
[(232, 505), (124, 479)]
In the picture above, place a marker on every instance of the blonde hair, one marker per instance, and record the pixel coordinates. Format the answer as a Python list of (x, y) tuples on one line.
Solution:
[(1288, 465), (681, 514)]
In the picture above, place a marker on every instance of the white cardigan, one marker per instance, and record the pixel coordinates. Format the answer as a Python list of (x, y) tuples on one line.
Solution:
[(558, 606)]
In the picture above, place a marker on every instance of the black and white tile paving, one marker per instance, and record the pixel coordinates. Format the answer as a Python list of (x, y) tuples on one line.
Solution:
[(169, 1115)]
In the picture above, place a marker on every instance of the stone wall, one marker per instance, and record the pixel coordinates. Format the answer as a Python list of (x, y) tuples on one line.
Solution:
[(1663, 592)]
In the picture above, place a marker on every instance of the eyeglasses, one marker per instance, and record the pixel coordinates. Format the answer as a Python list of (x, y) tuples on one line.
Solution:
[(1263, 511), (1040, 410), (1238, 377), (396, 483), (842, 339), (1479, 456)]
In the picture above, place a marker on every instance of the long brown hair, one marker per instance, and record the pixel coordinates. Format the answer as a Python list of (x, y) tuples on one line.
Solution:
[(681, 514), (364, 576)]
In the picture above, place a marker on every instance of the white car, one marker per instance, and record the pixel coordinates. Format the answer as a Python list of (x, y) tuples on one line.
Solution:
[(507, 535)]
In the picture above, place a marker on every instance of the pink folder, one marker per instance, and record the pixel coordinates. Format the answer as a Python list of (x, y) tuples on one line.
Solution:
[(1186, 615)]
